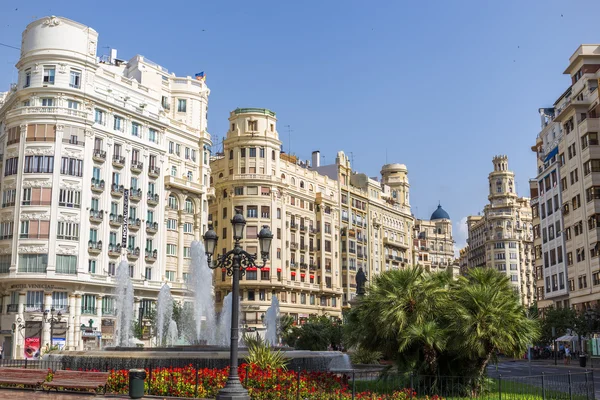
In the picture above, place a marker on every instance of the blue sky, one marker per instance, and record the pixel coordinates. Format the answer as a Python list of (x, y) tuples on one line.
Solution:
[(441, 86)]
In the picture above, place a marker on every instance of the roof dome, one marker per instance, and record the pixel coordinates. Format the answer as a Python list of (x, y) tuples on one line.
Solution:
[(440, 213)]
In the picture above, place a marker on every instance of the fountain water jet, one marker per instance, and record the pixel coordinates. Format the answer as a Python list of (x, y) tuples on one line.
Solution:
[(124, 306), (201, 286), (272, 322), (164, 314), (172, 334)]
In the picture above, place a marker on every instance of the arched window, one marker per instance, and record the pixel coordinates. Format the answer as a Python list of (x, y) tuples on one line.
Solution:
[(211, 180), (283, 177), (220, 175), (231, 154), (311, 187), (293, 181), (301, 184), (173, 204), (189, 206), (394, 194)]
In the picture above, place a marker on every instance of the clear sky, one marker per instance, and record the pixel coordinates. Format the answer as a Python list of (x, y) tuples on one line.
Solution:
[(441, 86)]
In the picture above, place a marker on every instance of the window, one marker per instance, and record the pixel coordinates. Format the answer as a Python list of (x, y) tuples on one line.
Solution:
[(49, 73), (252, 125), (171, 249), (119, 124), (252, 151), (238, 190), (153, 135), (39, 164), (71, 166), (88, 304), (99, 117), (68, 230), (252, 212), (181, 105), (173, 202), (92, 266), (251, 276), (242, 152), (148, 274), (75, 79), (27, 78), (188, 227), (136, 129), (112, 269), (10, 166), (172, 224), (33, 263), (187, 252)]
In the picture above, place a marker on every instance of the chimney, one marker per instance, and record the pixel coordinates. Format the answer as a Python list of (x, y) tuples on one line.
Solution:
[(113, 56), (316, 159)]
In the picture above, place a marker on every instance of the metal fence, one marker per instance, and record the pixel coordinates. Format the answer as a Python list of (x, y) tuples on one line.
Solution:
[(194, 381)]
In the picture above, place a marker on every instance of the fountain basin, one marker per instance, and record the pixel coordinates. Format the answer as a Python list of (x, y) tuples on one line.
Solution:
[(198, 356)]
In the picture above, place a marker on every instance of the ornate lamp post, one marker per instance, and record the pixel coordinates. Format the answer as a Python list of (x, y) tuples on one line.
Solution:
[(52, 320), (235, 262)]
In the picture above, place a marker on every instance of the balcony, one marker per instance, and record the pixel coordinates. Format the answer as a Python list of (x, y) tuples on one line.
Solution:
[(117, 190), (12, 308), (99, 155), (312, 267), (89, 311), (133, 254), (96, 215), (153, 172), (118, 161), (134, 224), (589, 125), (97, 185), (152, 199), (151, 255), (108, 311), (114, 250), (303, 265), (135, 194), (314, 231), (302, 228), (294, 245), (34, 308), (151, 227), (293, 225), (137, 166), (95, 247), (115, 220)]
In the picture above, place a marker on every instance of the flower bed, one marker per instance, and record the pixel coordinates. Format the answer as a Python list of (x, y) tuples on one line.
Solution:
[(262, 384)]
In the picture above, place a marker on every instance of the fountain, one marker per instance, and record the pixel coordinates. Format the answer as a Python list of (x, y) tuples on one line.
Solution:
[(272, 322), (164, 314), (172, 334), (124, 306), (210, 338), (202, 290)]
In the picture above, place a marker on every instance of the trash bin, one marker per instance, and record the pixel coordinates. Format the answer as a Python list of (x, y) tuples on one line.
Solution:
[(582, 360), (136, 383)]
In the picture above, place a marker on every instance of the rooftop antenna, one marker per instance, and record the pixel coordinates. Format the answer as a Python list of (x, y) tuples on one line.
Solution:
[(289, 131), (352, 159)]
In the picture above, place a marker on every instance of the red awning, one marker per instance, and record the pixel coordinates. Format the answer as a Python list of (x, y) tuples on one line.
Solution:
[(303, 275), (251, 269), (278, 269), (265, 269), (223, 270), (293, 273), (312, 277)]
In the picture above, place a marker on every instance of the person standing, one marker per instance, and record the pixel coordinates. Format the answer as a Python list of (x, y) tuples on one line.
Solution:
[(567, 355)]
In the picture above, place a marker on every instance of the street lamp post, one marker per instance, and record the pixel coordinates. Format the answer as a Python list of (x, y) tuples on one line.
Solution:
[(235, 263), (52, 320)]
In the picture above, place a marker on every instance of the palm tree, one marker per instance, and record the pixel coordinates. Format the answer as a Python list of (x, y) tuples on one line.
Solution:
[(486, 317), (429, 338), (398, 315)]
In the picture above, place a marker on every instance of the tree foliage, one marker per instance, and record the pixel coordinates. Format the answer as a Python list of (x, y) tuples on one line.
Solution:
[(317, 334), (432, 324)]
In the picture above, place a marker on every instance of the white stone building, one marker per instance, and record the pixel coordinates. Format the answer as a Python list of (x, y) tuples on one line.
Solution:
[(103, 160)]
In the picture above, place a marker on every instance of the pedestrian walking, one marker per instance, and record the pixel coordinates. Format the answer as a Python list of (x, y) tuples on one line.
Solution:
[(567, 355)]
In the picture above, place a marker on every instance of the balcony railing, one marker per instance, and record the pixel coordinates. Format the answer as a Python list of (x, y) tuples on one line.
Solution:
[(151, 255), (153, 198), (133, 253), (34, 307), (151, 227), (95, 247), (117, 190), (96, 215), (137, 166), (153, 171), (114, 249), (108, 311), (134, 223), (118, 161), (115, 220), (97, 185), (12, 308), (89, 310), (294, 246), (99, 155), (135, 194)]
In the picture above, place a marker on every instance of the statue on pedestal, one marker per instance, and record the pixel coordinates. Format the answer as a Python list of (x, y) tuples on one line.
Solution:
[(361, 279)]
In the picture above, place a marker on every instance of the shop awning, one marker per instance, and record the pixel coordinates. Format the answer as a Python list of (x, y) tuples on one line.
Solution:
[(251, 269), (278, 269), (567, 338), (552, 153), (312, 277)]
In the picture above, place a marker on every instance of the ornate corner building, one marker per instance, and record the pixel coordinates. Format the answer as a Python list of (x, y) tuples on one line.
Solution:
[(502, 238), (103, 160)]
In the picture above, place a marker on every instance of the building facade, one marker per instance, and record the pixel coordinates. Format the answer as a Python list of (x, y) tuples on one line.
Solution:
[(502, 238), (433, 242), (252, 176), (575, 119), (546, 202), (103, 160)]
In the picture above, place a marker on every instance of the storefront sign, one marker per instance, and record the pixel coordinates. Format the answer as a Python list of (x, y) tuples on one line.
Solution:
[(125, 217), (37, 286), (32, 348), (88, 334)]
